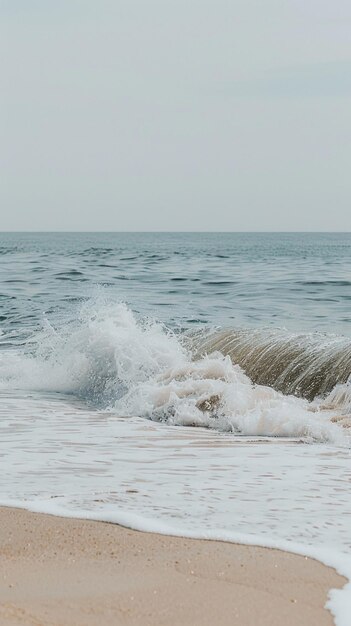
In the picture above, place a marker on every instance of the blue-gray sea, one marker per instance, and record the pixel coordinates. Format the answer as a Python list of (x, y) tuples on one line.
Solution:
[(300, 281)]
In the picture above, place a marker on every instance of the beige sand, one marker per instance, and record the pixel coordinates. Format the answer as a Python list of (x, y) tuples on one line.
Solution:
[(62, 572)]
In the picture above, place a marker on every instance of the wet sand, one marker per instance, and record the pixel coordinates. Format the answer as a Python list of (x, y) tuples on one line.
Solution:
[(63, 572)]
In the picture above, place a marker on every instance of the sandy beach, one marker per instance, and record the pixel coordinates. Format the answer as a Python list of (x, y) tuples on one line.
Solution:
[(65, 572)]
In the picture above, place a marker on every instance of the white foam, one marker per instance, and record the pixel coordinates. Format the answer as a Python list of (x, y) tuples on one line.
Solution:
[(213, 392), (339, 399)]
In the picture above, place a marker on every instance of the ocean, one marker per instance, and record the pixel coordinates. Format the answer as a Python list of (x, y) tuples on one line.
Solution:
[(187, 383)]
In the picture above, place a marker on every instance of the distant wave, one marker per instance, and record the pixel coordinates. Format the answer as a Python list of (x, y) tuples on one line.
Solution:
[(128, 366)]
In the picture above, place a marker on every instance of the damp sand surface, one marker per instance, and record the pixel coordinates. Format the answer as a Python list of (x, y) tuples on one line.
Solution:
[(59, 571)]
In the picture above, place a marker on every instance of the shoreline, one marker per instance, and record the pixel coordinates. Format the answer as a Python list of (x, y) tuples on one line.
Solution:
[(72, 572)]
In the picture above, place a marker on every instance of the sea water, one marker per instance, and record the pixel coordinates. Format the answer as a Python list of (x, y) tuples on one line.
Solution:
[(195, 384)]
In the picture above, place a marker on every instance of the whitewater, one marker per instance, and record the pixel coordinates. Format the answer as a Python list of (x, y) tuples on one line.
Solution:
[(166, 423)]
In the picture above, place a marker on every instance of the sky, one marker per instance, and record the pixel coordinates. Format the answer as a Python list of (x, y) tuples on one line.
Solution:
[(195, 115)]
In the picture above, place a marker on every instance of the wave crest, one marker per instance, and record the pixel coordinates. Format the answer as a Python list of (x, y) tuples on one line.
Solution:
[(307, 365)]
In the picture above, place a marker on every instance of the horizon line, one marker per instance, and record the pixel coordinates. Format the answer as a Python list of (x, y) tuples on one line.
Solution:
[(190, 232)]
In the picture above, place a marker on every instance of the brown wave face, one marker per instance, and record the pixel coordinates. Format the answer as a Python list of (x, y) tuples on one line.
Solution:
[(306, 365)]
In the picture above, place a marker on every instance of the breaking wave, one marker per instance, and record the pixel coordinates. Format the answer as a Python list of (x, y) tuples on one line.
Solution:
[(306, 365), (132, 367)]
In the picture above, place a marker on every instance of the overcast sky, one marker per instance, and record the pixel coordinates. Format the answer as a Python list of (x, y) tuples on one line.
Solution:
[(175, 115)]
